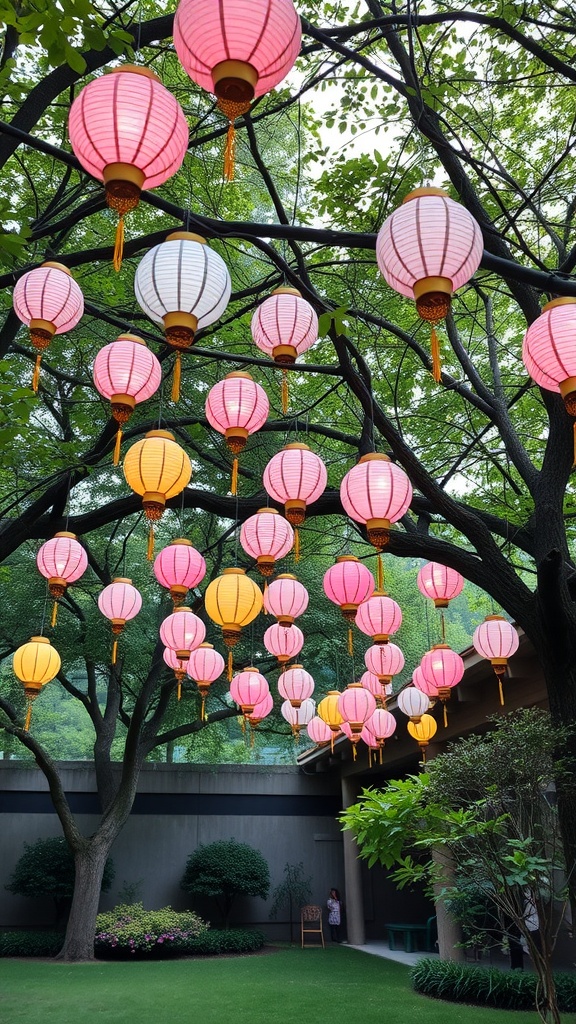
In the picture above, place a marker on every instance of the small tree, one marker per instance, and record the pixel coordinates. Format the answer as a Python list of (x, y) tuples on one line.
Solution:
[(46, 868), (224, 870), (293, 891)]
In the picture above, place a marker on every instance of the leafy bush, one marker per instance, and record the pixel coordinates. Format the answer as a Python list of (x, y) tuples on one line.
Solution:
[(46, 868), (131, 930), (487, 986), (31, 943), (224, 870), (232, 940)]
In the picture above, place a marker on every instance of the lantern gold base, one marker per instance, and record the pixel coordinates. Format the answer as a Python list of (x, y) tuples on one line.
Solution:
[(266, 565), (433, 295), (231, 634), (444, 693), (57, 586), (236, 438), (234, 80), (180, 329), (349, 612), (499, 665), (295, 509), (296, 703), (378, 532), (117, 626), (381, 638), (568, 392), (122, 407), (183, 655), (123, 184), (41, 333), (178, 593), (284, 355), (153, 504), (286, 620)]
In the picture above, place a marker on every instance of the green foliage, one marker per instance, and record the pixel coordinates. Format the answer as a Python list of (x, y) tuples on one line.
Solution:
[(293, 891), (46, 868), (131, 930), (29, 943), (226, 869), (232, 940), (487, 986)]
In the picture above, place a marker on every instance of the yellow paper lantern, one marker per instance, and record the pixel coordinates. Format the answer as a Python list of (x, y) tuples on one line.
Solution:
[(422, 732), (157, 468), (35, 664), (232, 601), (328, 711)]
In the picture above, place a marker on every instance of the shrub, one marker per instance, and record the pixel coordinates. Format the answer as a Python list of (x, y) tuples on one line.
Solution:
[(487, 986), (224, 870), (131, 930), (232, 940), (46, 868), (31, 943)]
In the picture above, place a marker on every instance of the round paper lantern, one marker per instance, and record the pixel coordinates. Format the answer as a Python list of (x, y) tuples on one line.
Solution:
[(381, 724), (205, 666), (497, 640), (295, 477), (367, 737), (177, 665), (119, 602), (318, 731), (384, 660), (182, 631), (126, 372), (298, 717), (423, 731), (232, 601), (548, 350), (440, 583), (379, 617), (376, 492), (248, 688), (286, 598), (378, 689), (266, 536), (179, 567), (330, 714), (35, 664), (284, 325), (427, 249), (442, 668), (356, 704), (283, 642), (422, 684), (48, 300), (237, 407), (413, 702), (348, 583), (130, 132), (295, 685), (261, 711), (158, 469), (61, 560)]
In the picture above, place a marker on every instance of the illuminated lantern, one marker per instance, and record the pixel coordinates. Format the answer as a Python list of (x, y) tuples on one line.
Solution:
[(376, 492), (179, 567), (119, 602), (283, 642), (384, 660), (237, 407), (35, 664), (248, 688), (286, 598), (177, 664), (182, 631), (422, 684), (238, 51), (379, 617), (266, 536), (427, 249), (260, 712), (380, 726), (126, 372), (329, 713), (232, 601), (356, 704), (295, 685), (284, 326), (130, 132), (298, 717), (348, 583), (497, 640), (442, 668), (61, 560), (413, 702), (440, 583), (378, 689), (548, 352), (48, 300), (157, 468), (295, 477), (204, 666), (423, 731), (318, 731)]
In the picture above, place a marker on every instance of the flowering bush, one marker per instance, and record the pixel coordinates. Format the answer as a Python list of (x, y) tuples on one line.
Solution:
[(131, 930)]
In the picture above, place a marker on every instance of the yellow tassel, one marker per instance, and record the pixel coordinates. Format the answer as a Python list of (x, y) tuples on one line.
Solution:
[(380, 571), (114, 652), (353, 751), (203, 715), (296, 545), (179, 691), (574, 463), (118, 244), (116, 458), (501, 690), (234, 477), (350, 642), (423, 749), (36, 374), (379, 755), (332, 743), (369, 757), (435, 344), (284, 391), (230, 666), (445, 715), (443, 626), (176, 378), (150, 550), (28, 716), (264, 589), (230, 153), (54, 618)]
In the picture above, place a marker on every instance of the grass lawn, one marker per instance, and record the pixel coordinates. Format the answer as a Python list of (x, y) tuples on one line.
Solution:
[(290, 986)]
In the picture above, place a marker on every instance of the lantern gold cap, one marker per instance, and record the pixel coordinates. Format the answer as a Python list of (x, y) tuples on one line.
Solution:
[(430, 190), (373, 457), (185, 236), (296, 445), (440, 647), (272, 511), (38, 640), (562, 300), (66, 533), (182, 540), (206, 645), (286, 290), (57, 266), (239, 373), (333, 693), (494, 618), (286, 576), (251, 668), (355, 686), (181, 608), (134, 69), (238, 572), (131, 337), (296, 666), (121, 579), (160, 433), (346, 558)]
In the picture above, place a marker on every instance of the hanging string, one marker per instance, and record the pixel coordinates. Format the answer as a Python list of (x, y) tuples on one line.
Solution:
[(118, 244), (284, 391), (203, 715), (230, 668), (28, 714), (44, 611), (231, 110), (443, 625), (179, 691), (353, 751), (423, 749), (379, 755)]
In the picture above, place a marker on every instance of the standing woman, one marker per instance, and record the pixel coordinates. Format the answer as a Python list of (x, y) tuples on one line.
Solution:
[(334, 905)]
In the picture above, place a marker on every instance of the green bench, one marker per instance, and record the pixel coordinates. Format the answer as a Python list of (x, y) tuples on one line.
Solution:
[(414, 936)]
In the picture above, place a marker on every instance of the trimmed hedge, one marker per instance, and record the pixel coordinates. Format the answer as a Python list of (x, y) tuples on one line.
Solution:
[(487, 986), (211, 943), (23, 943)]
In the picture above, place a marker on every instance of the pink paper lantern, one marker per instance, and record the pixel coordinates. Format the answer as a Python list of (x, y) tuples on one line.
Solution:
[(295, 685), (119, 602), (379, 617), (126, 372), (175, 663), (286, 598), (179, 567), (413, 702), (205, 666), (298, 717), (248, 688), (442, 668), (376, 492), (295, 477), (440, 583), (237, 407), (378, 689), (381, 724), (366, 736), (283, 642), (497, 640), (61, 560), (347, 584), (384, 660), (182, 631), (356, 704), (419, 681), (284, 325), (266, 536), (318, 731), (48, 300), (261, 710), (548, 350)]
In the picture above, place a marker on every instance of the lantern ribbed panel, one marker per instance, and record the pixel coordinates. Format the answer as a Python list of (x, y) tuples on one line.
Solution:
[(282, 641), (384, 659), (267, 533), (413, 702), (36, 662), (130, 118), (428, 236), (548, 350), (298, 717), (356, 704), (379, 616), (179, 565), (295, 684), (442, 667), (237, 401), (424, 730), (286, 597), (262, 709), (369, 738), (157, 464), (232, 598), (328, 710), (62, 557), (172, 660), (422, 684), (182, 276), (373, 684), (182, 631), (120, 600), (127, 367), (205, 664), (318, 731), (439, 581), (381, 724), (47, 293), (375, 489), (249, 688), (263, 33), (284, 319), (496, 638), (295, 473), (349, 581)]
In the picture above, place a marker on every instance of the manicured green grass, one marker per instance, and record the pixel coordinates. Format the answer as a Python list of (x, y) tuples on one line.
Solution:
[(289, 986)]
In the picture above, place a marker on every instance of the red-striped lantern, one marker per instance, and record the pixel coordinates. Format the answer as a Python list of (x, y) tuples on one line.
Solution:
[(348, 583), (295, 685), (379, 617), (126, 372), (497, 640), (286, 598), (119, 602), (248, 688), (384, 660), (356, 705), (237, 407), (283, 642), (440, 583), (318, 731), (442, 668), (549, 353), (284, 326), (421, 683), (267, 537), (61, 560), (295, 477), (182, 631), (205, 666), (376, 492), (179, 567), (260, 712), (380, 726), (378, 689), (48, 300)]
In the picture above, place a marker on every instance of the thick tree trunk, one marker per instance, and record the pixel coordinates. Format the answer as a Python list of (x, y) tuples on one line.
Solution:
[(90, 862)]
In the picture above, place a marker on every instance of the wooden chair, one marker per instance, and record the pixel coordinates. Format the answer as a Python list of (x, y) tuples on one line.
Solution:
[(311, 923)]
